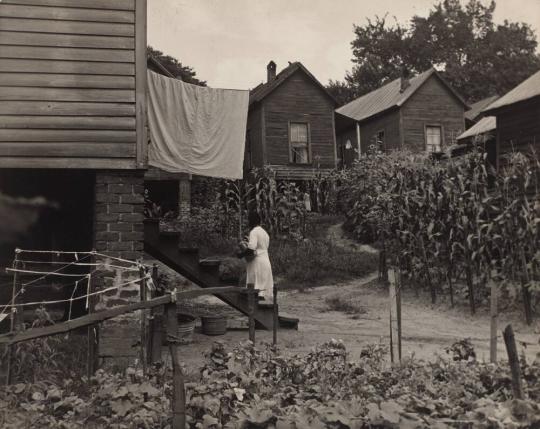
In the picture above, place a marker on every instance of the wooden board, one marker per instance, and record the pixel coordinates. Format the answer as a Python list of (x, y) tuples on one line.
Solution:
[(67, 94), (66, 27), (66, 108), (74, 54), (69, 149), (90, 163), (66, 80), (94, 4), (68, 122), (44, 137), (73, 67), (65, 13), (65, 40)]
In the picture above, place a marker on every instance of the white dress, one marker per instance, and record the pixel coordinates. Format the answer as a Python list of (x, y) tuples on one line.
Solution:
[(259, 270)]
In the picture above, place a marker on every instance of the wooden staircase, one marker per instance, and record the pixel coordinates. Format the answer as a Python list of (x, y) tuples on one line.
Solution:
[(166, 248)]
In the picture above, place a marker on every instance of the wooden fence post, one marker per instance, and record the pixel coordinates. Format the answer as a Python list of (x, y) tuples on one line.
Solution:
[(142, 293), (155, 341), (13, 318), (513, 361), (251, 311), (276, 317), (398, 311), (91, 364), (178, 402), (394, 312), (494, 314)]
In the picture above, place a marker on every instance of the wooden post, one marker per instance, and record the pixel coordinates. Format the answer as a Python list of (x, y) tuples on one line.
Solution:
[(513, 361), (91, 364), (398, 311), (144, 345), (251, 311), (12, 320), (276, 317), (394, 313), (494, 314), (178, 402), (155, 340)]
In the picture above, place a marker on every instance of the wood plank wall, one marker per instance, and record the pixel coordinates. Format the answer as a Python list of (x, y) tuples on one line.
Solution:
[(70, 96)]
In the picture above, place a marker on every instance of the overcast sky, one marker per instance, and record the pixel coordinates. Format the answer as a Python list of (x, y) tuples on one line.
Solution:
[(229, 42)]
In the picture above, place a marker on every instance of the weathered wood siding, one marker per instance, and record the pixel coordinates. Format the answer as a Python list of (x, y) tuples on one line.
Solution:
[(255, 135), (72, 83), (518, 127), (389, 123), (298, 99), (431, 104)]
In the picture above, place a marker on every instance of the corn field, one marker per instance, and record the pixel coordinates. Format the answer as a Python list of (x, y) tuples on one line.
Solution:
[(452, 226)]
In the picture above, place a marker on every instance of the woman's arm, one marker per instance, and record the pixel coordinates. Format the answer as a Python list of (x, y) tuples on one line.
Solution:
[(252, 243)]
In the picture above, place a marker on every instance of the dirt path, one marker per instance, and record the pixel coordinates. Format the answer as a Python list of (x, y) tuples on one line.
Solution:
[(427, 329), (337, 236)]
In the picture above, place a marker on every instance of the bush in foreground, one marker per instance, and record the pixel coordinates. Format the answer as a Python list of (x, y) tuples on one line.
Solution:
[(259, 388)]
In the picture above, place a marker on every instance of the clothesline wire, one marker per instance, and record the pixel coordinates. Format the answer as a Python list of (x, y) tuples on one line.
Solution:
[(86, 252), (85, 296), (81, 264)]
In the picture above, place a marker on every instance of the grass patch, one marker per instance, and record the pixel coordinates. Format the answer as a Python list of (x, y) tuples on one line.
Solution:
[(344, 304), (318, 262)]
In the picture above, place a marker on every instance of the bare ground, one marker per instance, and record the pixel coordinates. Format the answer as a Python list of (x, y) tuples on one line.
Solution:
[(427, 329)]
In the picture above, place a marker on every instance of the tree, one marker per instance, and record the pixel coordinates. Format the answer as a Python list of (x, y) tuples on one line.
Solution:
[(185, 73), (476, 56)]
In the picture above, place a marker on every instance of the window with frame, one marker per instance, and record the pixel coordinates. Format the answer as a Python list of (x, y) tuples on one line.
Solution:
[(433, 138), (299, 143)]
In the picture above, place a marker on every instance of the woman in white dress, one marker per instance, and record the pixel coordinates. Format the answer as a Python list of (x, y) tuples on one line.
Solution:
[(259, 269)]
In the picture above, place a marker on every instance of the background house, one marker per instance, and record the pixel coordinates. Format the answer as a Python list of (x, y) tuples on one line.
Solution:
[(291, 124), (421, 114), (518, 118)]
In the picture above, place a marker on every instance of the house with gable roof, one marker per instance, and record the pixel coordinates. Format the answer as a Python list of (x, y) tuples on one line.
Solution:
[(291, 124), (422, 114)]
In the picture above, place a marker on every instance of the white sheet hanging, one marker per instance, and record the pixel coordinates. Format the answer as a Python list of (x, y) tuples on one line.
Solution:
[(195, 129)]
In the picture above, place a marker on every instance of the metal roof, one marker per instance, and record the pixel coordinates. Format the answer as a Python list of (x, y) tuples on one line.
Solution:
[(389, 96), (527, 89), (262, 90), (488, 123), (476, 108)]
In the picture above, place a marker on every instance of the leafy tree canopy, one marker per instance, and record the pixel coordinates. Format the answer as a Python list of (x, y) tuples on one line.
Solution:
[(476, 56), (185, 73)]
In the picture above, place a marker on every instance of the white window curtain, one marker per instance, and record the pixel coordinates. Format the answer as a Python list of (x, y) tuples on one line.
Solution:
[(433, 139), (299, 143)]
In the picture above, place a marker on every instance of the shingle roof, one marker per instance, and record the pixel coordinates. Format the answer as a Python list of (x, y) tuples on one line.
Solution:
[(488, 123), (262, 90), (527, 89), (388, 96), (476, 108)]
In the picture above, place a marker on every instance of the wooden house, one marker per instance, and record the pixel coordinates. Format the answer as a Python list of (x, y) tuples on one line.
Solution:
[(517, 116), (474, 114), (73, 120), (291, 124), (420, 114)]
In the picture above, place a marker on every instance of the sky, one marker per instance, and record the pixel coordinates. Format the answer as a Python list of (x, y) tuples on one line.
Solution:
[(230, 42)]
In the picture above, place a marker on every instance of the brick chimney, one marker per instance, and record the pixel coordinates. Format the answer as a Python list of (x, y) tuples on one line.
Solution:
[(270, 71), (404, 79)]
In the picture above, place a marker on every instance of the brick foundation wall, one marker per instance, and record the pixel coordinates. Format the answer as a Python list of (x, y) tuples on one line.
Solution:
[(119, 207), (119, 232), (184, 197)]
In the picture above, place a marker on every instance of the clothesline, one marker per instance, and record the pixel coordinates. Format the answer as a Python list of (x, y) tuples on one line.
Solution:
[(99, 292), (75, 253), (79, 264)]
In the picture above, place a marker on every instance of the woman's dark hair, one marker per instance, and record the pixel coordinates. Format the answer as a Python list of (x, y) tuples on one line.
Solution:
[(254, 219)]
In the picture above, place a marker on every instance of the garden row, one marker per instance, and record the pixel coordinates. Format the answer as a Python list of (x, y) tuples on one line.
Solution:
[(440, 222)]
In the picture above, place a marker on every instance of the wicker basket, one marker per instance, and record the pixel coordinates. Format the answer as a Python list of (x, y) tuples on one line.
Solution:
[(214, 325)]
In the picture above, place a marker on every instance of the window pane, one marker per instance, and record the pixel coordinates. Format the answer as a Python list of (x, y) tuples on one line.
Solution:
[(433, 139), (299, 133)]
